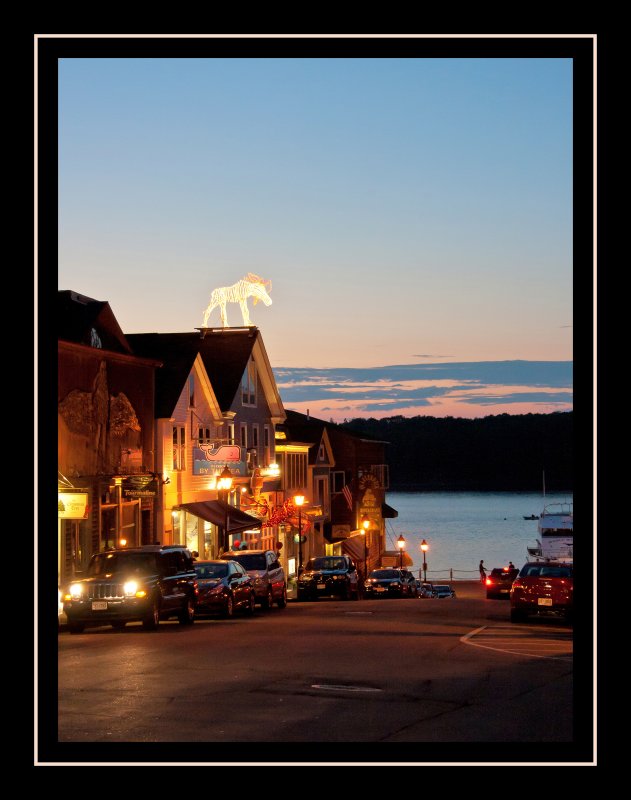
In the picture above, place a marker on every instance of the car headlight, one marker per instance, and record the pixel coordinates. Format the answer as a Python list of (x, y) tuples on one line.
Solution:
[(75, 590), (130, 588)]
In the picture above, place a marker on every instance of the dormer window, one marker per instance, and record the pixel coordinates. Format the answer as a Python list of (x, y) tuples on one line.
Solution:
[(248, 384), (95, 339), (321, 453)]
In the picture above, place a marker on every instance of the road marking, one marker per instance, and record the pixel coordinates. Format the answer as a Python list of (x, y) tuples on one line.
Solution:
[(358, 613), (529, 642), (334, 687)]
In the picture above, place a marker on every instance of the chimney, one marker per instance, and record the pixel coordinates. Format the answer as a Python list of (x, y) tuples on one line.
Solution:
[(307, 413)]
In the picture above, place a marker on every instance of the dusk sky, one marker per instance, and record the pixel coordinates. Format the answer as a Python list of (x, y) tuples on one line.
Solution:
[(408, 212)]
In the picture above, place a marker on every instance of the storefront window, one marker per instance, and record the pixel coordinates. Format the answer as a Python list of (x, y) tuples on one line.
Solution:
[(108, 527), (208, 551), (175, 518), (129, 526), (192, 534)]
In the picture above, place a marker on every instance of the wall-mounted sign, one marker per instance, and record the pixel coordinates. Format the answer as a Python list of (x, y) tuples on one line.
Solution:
[(72, 505), (140, 486), (208, 458), (340, 531)]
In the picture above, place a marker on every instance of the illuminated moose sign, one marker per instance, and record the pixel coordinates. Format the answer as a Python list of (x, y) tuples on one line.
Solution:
[(250, 286)]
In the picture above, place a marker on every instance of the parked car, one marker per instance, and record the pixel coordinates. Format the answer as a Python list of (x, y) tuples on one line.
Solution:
[(223, 588), (542, 588), (442, 590), (499, 581), (426, 590), (327, 576), (268, 576), (388, 582), (148, 583), (408, 582)]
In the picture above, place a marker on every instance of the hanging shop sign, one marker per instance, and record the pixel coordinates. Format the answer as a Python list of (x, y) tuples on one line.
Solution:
[(140, 486), (207, 458), (72, 505)]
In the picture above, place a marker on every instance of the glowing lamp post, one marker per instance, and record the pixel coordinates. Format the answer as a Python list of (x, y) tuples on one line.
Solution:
[(299, 500), (401, 546), (224, 484), (365, 526), (424, 548)]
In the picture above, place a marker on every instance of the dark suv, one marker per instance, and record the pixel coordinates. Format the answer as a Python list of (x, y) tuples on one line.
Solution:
[(327, 576), (499, 581), (390, 582), (144, 584)]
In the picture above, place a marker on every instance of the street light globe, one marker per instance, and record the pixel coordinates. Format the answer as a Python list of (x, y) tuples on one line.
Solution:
[(299, 499), (365, 523), (424, 546), (225, 480), (401, 542)]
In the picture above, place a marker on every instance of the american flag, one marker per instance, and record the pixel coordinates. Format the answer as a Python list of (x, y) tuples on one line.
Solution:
[(349, 497)]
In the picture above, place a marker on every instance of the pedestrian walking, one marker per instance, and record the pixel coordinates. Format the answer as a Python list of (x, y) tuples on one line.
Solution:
[(482, 572)]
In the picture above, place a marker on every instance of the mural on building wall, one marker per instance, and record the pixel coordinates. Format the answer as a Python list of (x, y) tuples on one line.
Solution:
[(249, 286), (106, 423)]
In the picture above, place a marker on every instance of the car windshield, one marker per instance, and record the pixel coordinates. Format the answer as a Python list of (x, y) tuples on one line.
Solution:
[(129, 563), (385, 573), (326, 562), (211, 570), (250, 561)]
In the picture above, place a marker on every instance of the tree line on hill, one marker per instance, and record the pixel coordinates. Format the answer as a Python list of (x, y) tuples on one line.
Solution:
[(499, 452)]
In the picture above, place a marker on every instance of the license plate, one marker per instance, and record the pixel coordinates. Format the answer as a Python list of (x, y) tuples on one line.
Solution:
[(544, 601), (380, 589), (504, 591), (99, 605), (322, 586)]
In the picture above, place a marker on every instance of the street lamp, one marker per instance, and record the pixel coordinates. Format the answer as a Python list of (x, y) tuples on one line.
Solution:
[(365, 526), (401, 546), (424, 547), (299, 499), (224, 484)]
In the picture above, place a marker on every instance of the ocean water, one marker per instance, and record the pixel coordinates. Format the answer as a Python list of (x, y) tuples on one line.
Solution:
[(463, 527)]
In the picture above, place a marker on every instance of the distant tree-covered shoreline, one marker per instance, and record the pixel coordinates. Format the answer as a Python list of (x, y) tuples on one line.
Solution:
[(498, 452)]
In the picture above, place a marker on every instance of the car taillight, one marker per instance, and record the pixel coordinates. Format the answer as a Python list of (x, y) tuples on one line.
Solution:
[(516, 582), (488, 581)]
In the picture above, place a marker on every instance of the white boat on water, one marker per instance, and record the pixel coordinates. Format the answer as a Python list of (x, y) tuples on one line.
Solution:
[(556, 534)]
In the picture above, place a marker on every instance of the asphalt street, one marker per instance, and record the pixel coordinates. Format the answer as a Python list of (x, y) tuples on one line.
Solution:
[(393, 672)]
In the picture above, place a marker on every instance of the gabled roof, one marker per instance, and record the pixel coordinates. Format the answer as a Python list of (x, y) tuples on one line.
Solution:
[(224, 352), (177, 351), (304, 428), (78, 316)]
